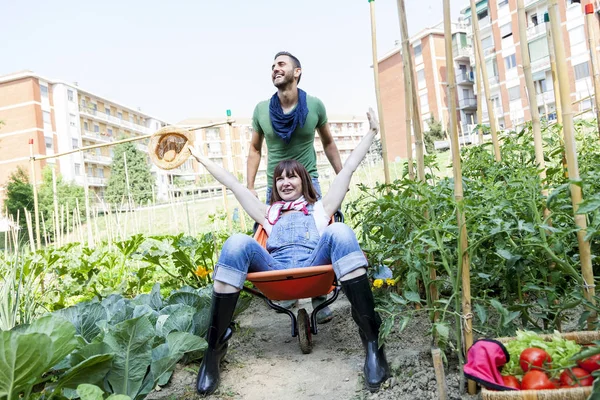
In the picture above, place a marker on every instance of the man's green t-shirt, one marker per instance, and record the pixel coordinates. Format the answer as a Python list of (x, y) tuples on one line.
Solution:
[(301, 147)]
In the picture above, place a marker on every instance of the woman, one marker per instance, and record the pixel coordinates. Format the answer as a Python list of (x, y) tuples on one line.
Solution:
[(299, 236)]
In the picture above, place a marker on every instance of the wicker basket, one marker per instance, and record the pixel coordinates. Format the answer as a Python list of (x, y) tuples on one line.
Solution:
[(580, 393), (168, 147)]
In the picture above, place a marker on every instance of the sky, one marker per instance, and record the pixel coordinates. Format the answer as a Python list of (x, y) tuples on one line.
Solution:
[(182, 59)]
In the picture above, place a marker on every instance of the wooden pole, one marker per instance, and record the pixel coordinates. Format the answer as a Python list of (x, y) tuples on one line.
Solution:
[(591, 22), (440, 375), (479, 94), (458, 190), (55, 201), (411, 83), (35, 196), (572, 163), (552, 56), (486, 82), (30, 230), (86, 192), (386, 169), (408, 105), (533, 105)]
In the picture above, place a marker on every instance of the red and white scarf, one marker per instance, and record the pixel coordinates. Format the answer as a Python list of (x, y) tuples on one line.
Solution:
[(275, 210)]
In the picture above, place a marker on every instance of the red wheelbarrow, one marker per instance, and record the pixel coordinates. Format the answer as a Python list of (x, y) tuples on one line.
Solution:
[(292, 284)]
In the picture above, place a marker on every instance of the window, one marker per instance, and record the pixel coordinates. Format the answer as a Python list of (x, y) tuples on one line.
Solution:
[(100, 172), (502, 3), (506, 30), (540, 86), (44, 90), (577, 35), (581, 70), (46, 116), (538, 49), (72, 120), (569, 2), (421, 78), (90, 171), (120, 115), (418, 50), (77, 169), (511, 61), (49, 142), (534, 19), (69, 95), (131, 119), (514, 93), (109, 131), (482, 14), (487, 42), (107, 110), (74, 143), (98, 151), (96, 128)]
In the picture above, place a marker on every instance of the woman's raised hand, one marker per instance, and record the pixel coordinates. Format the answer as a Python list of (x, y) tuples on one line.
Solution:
[(373, 122)]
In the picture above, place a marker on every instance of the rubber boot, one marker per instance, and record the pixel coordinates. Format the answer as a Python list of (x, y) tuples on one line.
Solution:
[(219, 332), (358, 292)]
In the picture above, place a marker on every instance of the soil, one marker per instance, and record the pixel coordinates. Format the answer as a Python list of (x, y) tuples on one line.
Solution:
[(265, 362)]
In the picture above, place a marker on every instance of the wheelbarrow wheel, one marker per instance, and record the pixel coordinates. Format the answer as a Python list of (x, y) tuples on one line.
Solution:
[(304, 333)]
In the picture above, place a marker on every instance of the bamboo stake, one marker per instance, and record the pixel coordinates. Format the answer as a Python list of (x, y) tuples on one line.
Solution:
[(408, 106), (440, 376), (479, 96), (467, 315), (35, 196), (29, 230), (95, 218), (62, 224), (55, 202), (486, 82), (557, 100), (533, 106), (572, 163), (45, 232), (411, 83), (386, 170), (86, 192), (591, 22), (79, 227), (69, 235)]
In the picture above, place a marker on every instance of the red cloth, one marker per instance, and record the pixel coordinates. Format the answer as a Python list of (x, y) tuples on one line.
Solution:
[(484, 360)]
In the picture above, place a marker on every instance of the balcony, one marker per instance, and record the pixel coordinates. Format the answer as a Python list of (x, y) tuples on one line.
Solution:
[(96, 159), (488, 51), (531, 3), (468, 103), (465, 78), (535, 30), (545, 98), (462, 53), (96, 181), (100, 137), (493, 80), (100, 116)]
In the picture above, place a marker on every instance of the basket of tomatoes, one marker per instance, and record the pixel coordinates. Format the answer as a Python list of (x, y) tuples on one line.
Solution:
[(549, 367)]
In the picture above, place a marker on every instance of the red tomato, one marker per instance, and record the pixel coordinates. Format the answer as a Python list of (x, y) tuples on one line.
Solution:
[(590, 364), (536, 380), (534, 358), (511, 381), (571, 377)]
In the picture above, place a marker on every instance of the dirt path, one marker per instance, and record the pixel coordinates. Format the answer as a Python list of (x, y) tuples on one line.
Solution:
[(265, 362)]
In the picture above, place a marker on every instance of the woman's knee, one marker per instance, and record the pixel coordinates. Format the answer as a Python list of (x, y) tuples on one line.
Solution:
[(236, 243), (341, 231)]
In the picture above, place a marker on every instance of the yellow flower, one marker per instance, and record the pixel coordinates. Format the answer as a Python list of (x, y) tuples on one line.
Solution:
[(201, 271), (378, 283), (390, 282)]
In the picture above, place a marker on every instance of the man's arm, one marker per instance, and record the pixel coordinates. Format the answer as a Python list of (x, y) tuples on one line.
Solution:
[(254, 155), (330, 148)]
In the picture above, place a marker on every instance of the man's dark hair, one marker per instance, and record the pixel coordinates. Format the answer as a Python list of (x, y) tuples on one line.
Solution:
[(293, 58)]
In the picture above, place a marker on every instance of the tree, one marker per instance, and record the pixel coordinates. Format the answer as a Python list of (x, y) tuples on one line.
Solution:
[(138, 171), (69, 195), (19, 195), (435, 132)]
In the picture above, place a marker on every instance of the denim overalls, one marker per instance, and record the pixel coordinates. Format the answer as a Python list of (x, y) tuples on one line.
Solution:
[(294, 243)]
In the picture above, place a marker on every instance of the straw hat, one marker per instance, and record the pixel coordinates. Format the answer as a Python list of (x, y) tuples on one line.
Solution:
[(168, 147)]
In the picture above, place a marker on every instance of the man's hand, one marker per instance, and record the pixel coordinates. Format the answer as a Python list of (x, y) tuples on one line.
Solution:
[(373, 122)]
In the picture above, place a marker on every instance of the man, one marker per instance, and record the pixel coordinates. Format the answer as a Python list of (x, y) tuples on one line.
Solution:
[(287, 123)]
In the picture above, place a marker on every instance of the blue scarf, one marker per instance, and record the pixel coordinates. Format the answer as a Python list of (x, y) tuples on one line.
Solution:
[(285, 124)]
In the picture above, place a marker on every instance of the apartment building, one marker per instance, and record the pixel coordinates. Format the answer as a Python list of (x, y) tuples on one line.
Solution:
[(59, 117), (429, 62), (500, 41), (228, 145)]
